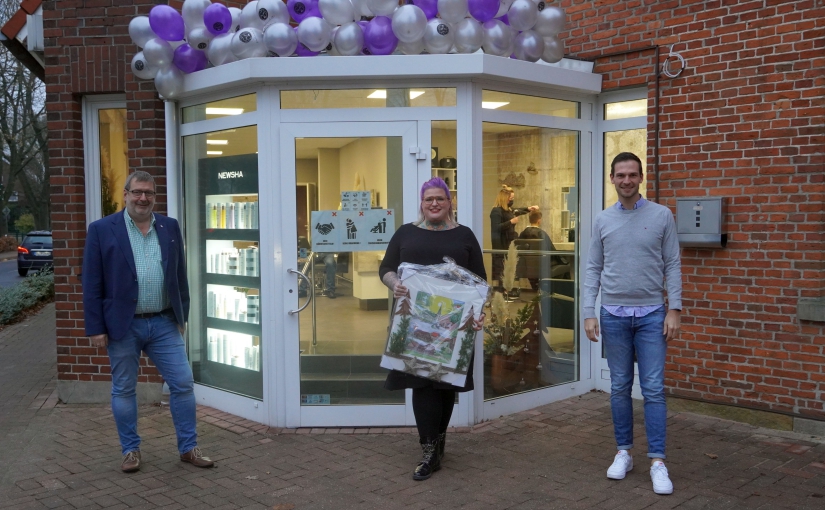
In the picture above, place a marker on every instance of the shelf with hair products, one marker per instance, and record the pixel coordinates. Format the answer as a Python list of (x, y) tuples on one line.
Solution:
[(450, 176)]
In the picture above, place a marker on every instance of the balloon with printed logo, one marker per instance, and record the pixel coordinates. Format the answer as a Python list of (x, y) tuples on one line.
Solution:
[(199, 38), (452, 11), (249, 16), (379, 38), (272, 11), (188, 59), (140, 30), (430, 7), (192, 12), (411, 48), (349, 39), (166, 23), (497, 39), (483, 10), (550, 21), (169, 82), (409, 23), (236, 19), (382, 7), (337, 12), (468, 35), (158, 52), (248, 43), (522, 15), (314, 33), (218, 19), (528, 45), (553, 49), (219, 51), (142, 68), (280, 39), (438, 36), (302, 9)]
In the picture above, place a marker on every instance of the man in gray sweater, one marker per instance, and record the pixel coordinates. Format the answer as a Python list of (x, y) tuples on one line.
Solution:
[(634, 251)]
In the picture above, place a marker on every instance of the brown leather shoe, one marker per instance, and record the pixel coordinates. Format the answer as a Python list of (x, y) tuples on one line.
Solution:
[(196, 458), (131, 462)]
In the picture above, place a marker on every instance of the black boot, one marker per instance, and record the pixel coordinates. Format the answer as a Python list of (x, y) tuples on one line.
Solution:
[(430, 462), (442, 439)]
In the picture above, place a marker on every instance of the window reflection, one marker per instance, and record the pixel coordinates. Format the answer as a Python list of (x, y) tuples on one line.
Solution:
[(216, 109), (367, 98), (114, 160), (506, 101), (615, 142)]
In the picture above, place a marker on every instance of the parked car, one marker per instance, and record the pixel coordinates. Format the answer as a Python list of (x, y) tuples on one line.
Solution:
[(35, 252)]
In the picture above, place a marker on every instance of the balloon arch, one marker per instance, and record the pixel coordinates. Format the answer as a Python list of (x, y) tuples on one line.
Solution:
[(206, 33)]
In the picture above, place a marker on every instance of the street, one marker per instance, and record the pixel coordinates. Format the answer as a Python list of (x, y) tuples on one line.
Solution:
[(8, 273)]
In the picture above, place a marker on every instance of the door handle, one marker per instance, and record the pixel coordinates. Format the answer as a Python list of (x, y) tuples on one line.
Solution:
[(309, 286)]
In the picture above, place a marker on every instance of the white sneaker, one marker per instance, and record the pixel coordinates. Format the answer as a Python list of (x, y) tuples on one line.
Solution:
[(622, 463), (661, 482)]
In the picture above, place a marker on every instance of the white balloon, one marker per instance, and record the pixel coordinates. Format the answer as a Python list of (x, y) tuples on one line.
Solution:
[(248, 43), (550, 21), (169, 82), (529, 46), (349, 39), (382, 7), (314, 33), (219, 51), (452, 11), (140, 31), (336, 12), (438, 36), (272, 11), (498, 38), (141, 68), (359, 8), (413, 48), (199, 38), (553, 50), (523, 14), (158, 52), (249, 16), (503, 7), (468, 36), (236, 19), (192, 12), (409, 23), (281, 39)]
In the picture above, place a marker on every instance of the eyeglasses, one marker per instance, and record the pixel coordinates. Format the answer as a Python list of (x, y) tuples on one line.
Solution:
[(138, 192), (438, 200)]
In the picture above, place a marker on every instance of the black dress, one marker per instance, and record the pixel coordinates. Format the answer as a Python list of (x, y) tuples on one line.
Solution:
[(427, 247), (502, 233)]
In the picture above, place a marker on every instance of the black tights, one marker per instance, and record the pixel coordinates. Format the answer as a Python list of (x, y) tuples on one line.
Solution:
[(432, 409)]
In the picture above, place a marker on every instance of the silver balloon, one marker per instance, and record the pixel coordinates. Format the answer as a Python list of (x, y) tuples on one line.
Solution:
[(249, 16), (550, 21), (503, 7), (141, 68), (553, 50), (498, 38), (158, 52), (192, 12), (248, 43), (408, 23), (382, 7), (281, 39), (349, 39), (336, 12), (314, 33), (522, 15), (412, 48), (169, 82), (438, 36), (219, 51), (468, 36), (452, 11), (529, 45), (236, 19), (359, 8), (272, 11), (199, 38), (331, 49), (140, 31)]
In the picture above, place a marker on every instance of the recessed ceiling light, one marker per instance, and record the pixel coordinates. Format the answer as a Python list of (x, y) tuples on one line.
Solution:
[(217, 142), (415, 93), (492, 105), (382, 94), (214, 153), (224, 111)]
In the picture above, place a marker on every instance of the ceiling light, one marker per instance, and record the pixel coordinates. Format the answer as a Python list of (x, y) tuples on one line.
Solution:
[(492, 105), (217, 142), (382, 94), (224, 111), (415, 93), (214, 153)]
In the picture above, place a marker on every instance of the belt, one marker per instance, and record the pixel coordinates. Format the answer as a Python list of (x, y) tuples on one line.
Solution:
[(149, 315)]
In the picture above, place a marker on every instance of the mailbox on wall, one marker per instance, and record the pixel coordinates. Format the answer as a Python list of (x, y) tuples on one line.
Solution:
[(699, 222)]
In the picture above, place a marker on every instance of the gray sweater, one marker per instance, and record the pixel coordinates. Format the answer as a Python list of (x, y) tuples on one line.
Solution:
[(632, 254)]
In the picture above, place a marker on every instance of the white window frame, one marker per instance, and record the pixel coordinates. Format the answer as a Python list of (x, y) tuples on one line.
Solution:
[(91, 148)]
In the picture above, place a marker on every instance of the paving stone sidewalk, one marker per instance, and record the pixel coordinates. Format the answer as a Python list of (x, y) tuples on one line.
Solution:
[(555, 456)]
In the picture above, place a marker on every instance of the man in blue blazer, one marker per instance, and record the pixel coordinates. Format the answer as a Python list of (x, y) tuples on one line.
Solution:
[(136, 298)]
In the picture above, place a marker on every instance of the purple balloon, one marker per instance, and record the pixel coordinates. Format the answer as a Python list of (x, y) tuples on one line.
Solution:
[(302, 9), (188, 59), (483, 10), (504, 19), (379, 37), (218, 19), (303, 51), (166, 23), (430, 7)]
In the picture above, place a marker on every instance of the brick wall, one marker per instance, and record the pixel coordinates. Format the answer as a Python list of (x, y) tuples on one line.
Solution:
[(743, 121)]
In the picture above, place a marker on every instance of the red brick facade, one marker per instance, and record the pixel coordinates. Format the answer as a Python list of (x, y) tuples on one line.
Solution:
[(743, 121)]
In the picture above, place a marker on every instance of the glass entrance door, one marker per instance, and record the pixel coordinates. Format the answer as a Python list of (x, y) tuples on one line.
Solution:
[(352, 184)]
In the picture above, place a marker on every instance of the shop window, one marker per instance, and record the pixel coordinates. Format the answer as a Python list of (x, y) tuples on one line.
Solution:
[(105, 154), (224, 107), (367, 98), (506, 101), (625, 109), (530, 339), (624, 128), (443, 151)]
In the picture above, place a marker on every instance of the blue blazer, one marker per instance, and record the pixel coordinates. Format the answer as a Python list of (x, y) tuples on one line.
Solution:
[(110, 286)]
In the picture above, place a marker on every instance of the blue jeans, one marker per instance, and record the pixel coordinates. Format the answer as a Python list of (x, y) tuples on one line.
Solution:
[(623, 337), (161, 340), (330, 267)]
